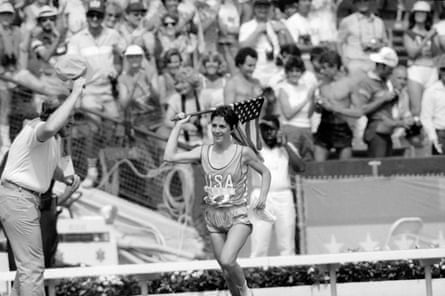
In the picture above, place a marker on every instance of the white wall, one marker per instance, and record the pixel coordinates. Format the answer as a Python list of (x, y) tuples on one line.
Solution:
[(387, 288)]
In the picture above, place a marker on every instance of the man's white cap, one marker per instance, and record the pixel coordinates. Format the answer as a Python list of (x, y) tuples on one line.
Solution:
[(421, 6), (134, 50), (47, 11), (6, 7), (386, 56)]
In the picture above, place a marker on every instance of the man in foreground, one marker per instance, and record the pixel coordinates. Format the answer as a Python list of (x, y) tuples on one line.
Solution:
[(32, 163)]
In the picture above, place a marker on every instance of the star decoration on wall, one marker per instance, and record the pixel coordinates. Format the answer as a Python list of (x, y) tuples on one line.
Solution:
[(333, 246), (440, 241), (369, 245), (404, 243)]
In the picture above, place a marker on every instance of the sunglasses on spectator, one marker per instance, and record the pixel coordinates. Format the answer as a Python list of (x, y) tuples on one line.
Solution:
[(97, 15), (171, 24), (47, 18)]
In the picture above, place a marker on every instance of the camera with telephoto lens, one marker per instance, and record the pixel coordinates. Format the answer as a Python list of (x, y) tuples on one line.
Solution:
[(8, 60), (371, 46), (305, 39), (414, 129), (269, 55)]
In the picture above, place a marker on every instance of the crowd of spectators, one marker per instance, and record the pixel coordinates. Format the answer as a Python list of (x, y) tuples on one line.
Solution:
[(328, 68)]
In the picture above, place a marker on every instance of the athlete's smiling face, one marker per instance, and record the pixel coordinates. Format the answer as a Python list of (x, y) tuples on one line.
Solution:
[(220, 129)]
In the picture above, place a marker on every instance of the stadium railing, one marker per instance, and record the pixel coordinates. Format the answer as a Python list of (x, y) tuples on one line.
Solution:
[(331, 262)]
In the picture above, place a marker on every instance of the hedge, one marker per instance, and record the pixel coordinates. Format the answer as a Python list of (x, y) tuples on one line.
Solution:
[(209, 280)]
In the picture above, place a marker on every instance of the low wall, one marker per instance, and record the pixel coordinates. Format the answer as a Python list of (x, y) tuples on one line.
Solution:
[(387, 288)]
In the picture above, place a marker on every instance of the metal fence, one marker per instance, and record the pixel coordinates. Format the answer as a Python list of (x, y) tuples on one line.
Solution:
[(129, 158)]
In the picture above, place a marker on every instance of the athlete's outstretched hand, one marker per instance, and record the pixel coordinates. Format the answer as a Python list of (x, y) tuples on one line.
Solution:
[(182, 118), (79, 85)]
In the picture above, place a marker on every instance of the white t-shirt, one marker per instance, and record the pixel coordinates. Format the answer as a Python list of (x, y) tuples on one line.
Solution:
[(277, 161), (296, 95), (299, 25), (308, 77), (265, 69), (32, 163)]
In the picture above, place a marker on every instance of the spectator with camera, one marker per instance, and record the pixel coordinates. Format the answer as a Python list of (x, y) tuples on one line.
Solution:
[(304, 33), (102, 48), (137, 96), (433, 111), (265, 36), (375, 99), (360, 34), (280, 157), (323, 15), (134, 32), (412, 137)]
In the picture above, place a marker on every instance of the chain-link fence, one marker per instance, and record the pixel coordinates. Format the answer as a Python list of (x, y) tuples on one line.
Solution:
[(129, 159)]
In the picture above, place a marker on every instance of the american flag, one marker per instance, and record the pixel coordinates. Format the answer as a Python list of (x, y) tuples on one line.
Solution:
[(248, 112)]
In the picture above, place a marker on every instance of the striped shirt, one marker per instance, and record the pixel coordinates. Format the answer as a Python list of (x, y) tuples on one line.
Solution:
[(99, 54)]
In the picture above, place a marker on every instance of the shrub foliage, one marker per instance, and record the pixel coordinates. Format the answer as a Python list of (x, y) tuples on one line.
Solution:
[(208, 280)]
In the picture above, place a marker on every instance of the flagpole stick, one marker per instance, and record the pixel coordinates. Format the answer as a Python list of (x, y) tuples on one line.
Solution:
[(176, 118)]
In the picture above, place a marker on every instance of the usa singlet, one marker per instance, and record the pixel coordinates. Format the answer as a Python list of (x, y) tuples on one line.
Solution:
[(225, 186)]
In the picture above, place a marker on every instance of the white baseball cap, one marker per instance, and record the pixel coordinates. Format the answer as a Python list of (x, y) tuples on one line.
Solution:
[(386, 56), (6, 7), (421, 6), (47, 11), (134, 50)]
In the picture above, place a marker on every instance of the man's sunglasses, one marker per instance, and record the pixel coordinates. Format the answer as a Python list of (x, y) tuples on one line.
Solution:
[(97, 15), (171, 24), (47, 18)]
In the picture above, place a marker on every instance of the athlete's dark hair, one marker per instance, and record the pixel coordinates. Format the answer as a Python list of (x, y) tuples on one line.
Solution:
[(228, 114)]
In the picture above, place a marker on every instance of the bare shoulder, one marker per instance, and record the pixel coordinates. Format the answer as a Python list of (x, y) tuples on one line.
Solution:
[(235, 79), (248, 154)]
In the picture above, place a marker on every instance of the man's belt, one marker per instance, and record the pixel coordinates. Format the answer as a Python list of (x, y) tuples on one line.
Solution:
[(12, 185)]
